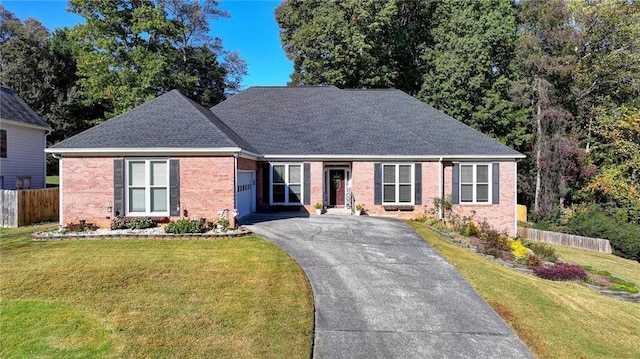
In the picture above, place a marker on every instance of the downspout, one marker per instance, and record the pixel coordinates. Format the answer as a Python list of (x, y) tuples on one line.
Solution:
[(60, 208), (235, 180), (47, 133), (440, 187)]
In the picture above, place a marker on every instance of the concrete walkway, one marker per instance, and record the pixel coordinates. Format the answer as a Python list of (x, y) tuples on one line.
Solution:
[(381, 291)]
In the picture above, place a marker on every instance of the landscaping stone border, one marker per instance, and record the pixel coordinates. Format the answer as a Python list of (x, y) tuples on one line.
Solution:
[(624, 296), (41, 236)]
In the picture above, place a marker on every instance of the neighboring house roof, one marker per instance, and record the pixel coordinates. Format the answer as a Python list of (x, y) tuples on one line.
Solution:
[(170, 121), (325, 120), (320, 121), (13, 109)]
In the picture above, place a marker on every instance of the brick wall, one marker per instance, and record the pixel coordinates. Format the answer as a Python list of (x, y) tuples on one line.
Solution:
[(501, 216), (206, 185)]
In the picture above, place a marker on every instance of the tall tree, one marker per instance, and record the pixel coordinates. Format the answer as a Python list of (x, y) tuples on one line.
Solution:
[(134, 50), (469, 69), (41, 69), (546, 57), (356, 43)]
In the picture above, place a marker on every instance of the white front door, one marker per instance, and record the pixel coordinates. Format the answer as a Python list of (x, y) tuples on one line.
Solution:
[(246, 193)]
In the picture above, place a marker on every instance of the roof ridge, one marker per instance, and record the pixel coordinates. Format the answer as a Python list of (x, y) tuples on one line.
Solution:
[(218, 123)]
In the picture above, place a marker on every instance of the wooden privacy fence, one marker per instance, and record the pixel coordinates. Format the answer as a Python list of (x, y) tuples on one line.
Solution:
[(24, 207), (569, 240)]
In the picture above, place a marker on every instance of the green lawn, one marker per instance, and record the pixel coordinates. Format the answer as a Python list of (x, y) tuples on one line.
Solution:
[(554, 319), (230, 298), (53, 180)]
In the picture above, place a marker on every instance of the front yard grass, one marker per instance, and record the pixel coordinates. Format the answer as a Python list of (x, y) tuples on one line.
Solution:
[(554, 319), (229, 298)]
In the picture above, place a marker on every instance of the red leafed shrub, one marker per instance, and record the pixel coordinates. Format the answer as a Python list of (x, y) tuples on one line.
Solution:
[(561, 271)]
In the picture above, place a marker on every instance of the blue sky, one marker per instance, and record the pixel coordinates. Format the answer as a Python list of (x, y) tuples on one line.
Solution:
[(252, 31)]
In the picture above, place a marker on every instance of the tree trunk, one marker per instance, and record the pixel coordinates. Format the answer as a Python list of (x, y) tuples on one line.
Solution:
[(536, 201)]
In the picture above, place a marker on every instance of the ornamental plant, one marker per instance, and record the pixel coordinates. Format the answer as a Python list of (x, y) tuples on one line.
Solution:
[(518, 249), (185, 225), (561, 272)]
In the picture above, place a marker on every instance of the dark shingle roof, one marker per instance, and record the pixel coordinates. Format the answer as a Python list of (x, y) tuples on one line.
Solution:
[(169, 121), (328, 120), (12, 108)]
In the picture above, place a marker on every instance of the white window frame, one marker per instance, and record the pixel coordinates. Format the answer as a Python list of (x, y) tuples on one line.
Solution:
[(397, 183), (286, 182), (475, 183), (147, 187)]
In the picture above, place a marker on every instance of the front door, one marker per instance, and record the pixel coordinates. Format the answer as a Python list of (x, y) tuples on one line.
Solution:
[(337, 184)]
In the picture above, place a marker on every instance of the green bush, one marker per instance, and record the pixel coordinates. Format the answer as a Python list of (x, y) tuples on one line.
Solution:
[(185, 225), (596, 222), (545, 251), (121, 222), (141, 223)]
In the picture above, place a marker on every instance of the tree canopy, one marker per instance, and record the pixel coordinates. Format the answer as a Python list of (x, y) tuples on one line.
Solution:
[(556, 80)]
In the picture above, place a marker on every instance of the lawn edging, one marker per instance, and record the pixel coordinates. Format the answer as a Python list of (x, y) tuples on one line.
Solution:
[(47, 236)]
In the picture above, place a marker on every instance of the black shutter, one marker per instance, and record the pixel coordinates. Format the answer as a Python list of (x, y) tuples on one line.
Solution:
[(455, 195), (174, 188), (495, 191), (118, 187), (377, 183), (418, 183), (266, 174), (307, 184)]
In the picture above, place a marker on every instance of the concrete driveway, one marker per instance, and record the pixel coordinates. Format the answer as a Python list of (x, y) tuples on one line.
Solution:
[(380, 291)]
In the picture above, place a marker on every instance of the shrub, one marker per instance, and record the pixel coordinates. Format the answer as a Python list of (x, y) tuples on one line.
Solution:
[(544, 250), (224, 223), (518, 249), (596, 222), (561, 272), (493, 242), (141, 223), (185, 225), (121, 222), (82, 226)]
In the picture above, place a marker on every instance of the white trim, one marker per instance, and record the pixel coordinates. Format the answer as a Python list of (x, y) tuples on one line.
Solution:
[(397, 183), (286, 183), (515, 197), (440, 187), (330, 157), (327, 185), (60, 193), (16, 123), (474, 183), (147, 186)]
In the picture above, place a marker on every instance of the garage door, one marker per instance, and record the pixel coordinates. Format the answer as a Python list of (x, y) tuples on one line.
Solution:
[(245, 193)]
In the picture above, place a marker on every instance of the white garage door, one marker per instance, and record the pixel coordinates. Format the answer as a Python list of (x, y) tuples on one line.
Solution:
[(246, 193)]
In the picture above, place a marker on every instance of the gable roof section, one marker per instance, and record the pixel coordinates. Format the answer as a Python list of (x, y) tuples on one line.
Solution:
[(325, 120), (170, 121), (13, 109)]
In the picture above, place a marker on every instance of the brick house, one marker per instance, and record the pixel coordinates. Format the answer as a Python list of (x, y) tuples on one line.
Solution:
[(283, 148)]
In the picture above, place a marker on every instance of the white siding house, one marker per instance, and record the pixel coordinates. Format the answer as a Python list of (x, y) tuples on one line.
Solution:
[(22, 142)]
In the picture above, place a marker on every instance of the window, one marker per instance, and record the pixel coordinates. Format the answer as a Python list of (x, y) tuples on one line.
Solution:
[(474, 183), (147, 187), (286, 183), (23, 182), (3, 143), (397, 183)]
